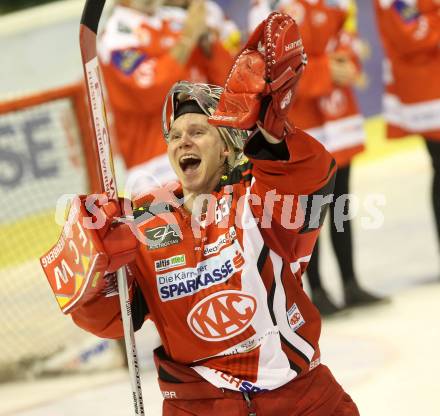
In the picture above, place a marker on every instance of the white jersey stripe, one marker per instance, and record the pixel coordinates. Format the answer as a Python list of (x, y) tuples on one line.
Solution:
[(340, 134), (416, 118), (273, 363), (279, 306), (295, 266)]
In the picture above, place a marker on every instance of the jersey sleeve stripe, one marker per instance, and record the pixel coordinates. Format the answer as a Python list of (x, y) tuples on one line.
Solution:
[(298, 344)]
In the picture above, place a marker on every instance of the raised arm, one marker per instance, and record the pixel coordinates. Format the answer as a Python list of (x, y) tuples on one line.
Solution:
[(289, 167)]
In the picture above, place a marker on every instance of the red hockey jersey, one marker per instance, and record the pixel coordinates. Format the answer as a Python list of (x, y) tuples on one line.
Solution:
[(225, 291), (410, 32), (327, 112), (139, 71)]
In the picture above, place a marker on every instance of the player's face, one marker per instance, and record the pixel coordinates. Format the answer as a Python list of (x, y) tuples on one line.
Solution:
[(197, 153)]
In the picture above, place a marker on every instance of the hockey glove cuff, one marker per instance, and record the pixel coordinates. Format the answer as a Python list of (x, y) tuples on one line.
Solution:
[(262, 81)]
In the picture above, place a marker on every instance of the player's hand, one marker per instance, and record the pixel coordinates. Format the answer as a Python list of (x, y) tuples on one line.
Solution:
[(195, 23), (344, 71), (261, 85), (193, 29), (119, 242)]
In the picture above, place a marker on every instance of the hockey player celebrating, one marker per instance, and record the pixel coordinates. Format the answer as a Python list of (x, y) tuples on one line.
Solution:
[(220, 263)]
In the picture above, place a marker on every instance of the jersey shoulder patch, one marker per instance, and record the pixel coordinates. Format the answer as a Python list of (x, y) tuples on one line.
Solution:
[(408, 13), (128, 60)]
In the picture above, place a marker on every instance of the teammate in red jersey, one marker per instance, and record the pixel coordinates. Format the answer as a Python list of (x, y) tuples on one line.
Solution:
[(222, 254), (326, 108), (147, 46), (410, 33)]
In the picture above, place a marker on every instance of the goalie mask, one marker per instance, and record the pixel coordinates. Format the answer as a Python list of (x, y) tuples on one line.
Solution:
[(187, 97)]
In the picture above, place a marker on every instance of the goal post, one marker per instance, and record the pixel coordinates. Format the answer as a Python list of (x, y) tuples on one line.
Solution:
[(44, 153)]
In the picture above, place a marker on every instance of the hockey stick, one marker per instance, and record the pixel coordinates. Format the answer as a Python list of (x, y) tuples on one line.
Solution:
[(88, 30)]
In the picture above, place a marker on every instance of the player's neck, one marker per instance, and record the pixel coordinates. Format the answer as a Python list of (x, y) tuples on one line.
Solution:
[(195, 201)]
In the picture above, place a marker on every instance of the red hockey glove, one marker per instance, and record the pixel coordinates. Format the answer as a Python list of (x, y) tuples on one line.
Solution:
[(119, 242), (262, 81), (92, 246)]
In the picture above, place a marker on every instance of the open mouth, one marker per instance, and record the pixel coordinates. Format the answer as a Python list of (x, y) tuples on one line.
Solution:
[(189, 163)]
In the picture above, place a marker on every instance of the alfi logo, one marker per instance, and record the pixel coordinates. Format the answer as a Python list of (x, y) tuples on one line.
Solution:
[(169, 263), (162, 236), (222, 315)]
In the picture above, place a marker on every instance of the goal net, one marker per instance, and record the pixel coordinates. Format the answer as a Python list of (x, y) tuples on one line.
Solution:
[(42, 156)]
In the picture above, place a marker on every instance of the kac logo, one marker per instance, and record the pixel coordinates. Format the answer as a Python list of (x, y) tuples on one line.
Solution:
[(222, 315)]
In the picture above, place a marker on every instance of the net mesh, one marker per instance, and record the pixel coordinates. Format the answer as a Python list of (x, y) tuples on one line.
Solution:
[(41, 158)]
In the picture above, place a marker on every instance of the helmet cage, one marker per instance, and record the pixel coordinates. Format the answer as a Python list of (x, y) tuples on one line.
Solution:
[(207, 97)]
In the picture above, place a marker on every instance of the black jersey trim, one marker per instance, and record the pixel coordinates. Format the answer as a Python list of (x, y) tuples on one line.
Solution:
[(259, 148), (270, 303), (139, 308), (166, 376), (294, 349), (295, 367), (163, 374), (315, 214), (262, 258)]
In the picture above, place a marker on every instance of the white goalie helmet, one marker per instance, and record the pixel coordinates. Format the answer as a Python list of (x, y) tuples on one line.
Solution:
[(207, 97)]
